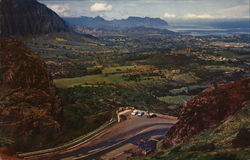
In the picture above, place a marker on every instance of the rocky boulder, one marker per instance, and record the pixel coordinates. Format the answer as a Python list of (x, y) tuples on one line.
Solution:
[(30, 110), (208, 109)]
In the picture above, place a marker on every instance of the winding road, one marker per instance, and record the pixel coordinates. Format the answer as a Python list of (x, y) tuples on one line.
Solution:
[(114, 139)]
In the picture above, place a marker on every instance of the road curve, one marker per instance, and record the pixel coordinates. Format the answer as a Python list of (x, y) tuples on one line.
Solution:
[(128, 131)]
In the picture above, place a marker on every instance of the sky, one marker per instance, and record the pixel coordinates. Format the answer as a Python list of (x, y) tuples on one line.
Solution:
[(165, 9)]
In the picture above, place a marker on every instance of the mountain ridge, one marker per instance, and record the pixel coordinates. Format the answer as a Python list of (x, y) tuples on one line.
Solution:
[(28, 17), (116, 24)]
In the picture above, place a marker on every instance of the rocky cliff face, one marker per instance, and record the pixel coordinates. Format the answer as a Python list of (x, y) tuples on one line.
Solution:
[(28, 17), (30, 110), (209, 109)]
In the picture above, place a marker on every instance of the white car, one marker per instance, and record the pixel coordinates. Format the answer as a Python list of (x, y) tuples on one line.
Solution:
[(151, 115), (140, 114), (135, 112)]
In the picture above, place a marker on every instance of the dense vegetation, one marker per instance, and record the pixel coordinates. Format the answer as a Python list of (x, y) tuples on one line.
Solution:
[(157, 72)]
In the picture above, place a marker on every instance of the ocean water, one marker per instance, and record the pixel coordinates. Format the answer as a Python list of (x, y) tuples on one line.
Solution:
[(204, 30), (211, 27)]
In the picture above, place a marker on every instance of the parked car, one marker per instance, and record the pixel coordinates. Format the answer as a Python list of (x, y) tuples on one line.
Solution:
[(123, 117), (140, 114), (151, 115), (135, 112)]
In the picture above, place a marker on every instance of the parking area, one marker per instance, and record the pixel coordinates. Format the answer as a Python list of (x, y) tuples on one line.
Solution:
[(136, 134), (130, 113), (144, 129)]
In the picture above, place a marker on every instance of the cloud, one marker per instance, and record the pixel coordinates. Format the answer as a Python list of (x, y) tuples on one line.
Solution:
[(131, 4), (100, 7), (169, 15), (61, 9), (239, 11), (198, 16)]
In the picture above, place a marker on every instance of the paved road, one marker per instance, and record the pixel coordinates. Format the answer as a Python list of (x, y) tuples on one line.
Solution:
[(129, 131)]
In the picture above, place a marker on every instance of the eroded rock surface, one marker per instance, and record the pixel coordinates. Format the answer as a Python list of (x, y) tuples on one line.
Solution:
[(30, 109), (209, 109)]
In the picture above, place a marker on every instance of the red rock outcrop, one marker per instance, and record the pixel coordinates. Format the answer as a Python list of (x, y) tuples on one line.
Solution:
[(208, 109), (30, 110), (6, 154)]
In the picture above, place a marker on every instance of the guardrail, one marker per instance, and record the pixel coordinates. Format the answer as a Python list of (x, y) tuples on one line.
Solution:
[(74, 143), (80, 140)]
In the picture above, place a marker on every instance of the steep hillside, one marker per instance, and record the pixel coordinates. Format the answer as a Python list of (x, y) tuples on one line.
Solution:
[(215, 125), (30, 110), (208, 109), (28, 17), (228, 141)]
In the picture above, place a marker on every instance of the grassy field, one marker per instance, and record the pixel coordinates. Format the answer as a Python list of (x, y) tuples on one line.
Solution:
[(121, 75), (139, 74), (179, 100), (221, 68), (89, 80)]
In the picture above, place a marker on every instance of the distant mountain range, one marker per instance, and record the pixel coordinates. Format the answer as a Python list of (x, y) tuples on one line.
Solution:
[(131, 22), (131, 32), (28, 17)]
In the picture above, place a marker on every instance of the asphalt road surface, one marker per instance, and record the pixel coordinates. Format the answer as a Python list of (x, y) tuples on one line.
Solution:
[(130, 131)]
